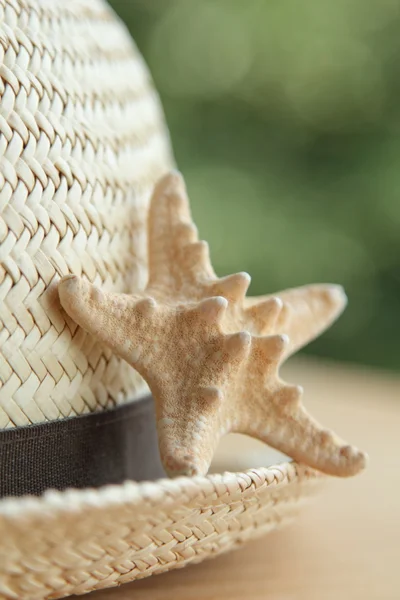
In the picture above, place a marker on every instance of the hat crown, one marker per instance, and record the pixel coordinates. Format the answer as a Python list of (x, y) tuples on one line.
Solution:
[(83, 143)]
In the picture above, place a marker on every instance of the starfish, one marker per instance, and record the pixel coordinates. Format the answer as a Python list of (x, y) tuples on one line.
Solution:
[(209, 354)]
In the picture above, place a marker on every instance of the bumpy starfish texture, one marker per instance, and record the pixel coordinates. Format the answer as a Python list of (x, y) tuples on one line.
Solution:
[(210, 355)]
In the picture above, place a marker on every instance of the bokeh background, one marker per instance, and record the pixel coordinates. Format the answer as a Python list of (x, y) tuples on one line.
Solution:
[(285, 120)]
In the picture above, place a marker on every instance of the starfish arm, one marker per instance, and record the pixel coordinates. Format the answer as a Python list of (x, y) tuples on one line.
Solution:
[(128, 324), (295, 433), (89, 306), (275, 414), (302, 313), (188, 438), (176, 256), (192, 418)]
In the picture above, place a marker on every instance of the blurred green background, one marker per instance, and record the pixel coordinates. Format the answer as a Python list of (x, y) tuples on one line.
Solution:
[(285, 120)]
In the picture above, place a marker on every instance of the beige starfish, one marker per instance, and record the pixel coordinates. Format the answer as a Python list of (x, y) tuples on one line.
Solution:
[(209, 354)]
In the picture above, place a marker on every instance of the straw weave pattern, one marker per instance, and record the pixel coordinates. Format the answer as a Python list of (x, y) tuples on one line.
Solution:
[(82, 141), (77, 541)]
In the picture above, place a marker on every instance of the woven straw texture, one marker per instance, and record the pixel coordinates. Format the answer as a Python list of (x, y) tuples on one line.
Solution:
[(82, 141), (77, 541)]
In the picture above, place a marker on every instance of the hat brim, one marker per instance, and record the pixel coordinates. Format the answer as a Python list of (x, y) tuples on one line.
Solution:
[(76, 541)]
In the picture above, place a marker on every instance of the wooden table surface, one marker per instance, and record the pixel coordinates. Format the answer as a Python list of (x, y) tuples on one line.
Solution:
[(346, 545)]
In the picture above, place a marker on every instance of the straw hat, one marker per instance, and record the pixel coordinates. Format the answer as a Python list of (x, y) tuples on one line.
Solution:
[(82, 144)]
